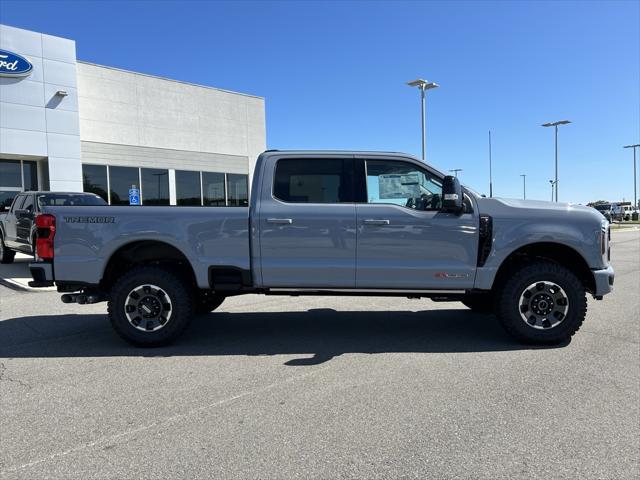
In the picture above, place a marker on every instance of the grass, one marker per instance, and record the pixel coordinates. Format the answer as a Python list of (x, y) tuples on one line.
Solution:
[(625, 225)]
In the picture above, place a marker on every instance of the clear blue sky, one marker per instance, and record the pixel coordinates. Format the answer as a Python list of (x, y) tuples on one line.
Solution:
[(333, 75)]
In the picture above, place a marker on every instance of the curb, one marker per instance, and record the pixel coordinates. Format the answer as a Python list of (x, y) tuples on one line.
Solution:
[(626, 229), (13, 285), (18, 287)]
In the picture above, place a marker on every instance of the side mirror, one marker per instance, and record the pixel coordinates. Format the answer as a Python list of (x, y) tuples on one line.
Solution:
[(3, 208), (21, 213), (451, 195)]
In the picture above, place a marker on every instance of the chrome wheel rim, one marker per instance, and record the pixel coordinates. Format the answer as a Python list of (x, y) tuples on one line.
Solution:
[(148, 308), (543, 305)]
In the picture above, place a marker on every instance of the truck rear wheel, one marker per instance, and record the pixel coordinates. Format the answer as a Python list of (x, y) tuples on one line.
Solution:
[(150, 306), (542, 303), (6, 255)]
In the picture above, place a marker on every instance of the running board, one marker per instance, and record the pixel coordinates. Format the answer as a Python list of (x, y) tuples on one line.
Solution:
[(361, 291)]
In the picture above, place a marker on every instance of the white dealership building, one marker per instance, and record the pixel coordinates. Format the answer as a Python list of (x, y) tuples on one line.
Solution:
[(67, 125)]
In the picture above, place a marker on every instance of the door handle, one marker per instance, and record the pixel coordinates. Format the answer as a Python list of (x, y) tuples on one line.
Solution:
[(371, 221), (280, 221)]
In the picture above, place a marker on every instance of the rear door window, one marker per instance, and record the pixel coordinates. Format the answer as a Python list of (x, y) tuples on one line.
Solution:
[(310, 180), (28, 203), (17, 205)]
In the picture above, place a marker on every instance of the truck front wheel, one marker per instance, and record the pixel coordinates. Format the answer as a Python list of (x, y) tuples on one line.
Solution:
[(6, 255), (542, 303), (150, 306)]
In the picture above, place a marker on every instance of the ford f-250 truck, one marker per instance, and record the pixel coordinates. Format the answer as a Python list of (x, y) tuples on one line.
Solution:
[(332, 223)]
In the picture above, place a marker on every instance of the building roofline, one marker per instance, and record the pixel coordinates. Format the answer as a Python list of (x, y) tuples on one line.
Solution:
[(36, 32), (169, 79)]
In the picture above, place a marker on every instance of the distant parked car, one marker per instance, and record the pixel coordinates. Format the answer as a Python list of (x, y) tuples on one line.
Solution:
[(623, 212), (605, 209), (17, 222)]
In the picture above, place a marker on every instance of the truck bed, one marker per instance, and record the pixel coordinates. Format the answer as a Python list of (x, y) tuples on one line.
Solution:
[(86, 237)]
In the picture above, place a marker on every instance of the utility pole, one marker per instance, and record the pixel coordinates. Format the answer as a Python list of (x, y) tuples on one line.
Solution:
[(524, 186)]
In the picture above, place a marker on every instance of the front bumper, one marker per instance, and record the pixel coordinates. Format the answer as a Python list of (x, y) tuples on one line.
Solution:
[(604, 281), (42, 274)]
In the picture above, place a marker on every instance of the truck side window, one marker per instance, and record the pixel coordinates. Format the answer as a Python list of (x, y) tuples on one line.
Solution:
[(403, 184), (313, 181)]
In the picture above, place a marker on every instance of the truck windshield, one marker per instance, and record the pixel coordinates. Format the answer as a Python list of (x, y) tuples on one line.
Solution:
[(67, 199)]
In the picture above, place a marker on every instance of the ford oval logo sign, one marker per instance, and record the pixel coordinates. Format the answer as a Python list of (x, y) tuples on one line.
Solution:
[(14, 65)]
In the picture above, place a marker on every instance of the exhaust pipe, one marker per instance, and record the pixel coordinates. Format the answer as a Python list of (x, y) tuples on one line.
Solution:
[(69, 298), (83, 298)]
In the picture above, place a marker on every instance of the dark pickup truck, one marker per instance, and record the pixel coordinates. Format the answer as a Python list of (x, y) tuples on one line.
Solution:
[(17, 222)]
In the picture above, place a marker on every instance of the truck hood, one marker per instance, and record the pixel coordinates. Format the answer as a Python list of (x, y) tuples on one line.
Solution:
[(537, 209)]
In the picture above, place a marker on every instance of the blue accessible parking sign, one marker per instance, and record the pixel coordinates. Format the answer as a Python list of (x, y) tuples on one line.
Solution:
[(134, 195)]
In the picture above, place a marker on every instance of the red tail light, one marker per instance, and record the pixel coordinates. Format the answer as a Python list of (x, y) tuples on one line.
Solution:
[(46, 226)]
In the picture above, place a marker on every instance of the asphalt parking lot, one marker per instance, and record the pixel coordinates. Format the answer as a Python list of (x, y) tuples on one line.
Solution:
[(320, 387)]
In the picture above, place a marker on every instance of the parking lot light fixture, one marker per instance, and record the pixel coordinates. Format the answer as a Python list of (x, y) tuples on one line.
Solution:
[(635, 192), (555, 125), (423, 85), (455, 171), (524, 185)]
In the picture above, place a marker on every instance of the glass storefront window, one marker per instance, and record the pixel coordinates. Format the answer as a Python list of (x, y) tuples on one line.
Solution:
[(188, 188), (30, 172), (10, 175), (121, 179), (94, 180), (6, 198), (238, 186), (213, 190), (155, 186)]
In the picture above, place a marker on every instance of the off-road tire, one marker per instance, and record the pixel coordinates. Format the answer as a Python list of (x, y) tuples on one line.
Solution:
[(6, 255), (480, 302), (508, 303), (175, 287), (208, 301)]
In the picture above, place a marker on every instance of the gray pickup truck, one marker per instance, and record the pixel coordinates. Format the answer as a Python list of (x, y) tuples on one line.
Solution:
[(332, 223)]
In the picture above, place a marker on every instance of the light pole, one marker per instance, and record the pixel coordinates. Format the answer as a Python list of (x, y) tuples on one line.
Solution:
[(555, 125), (524, 186), (490, 175), (455, 171), (552, 185), (635, 195), (423, 85)]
